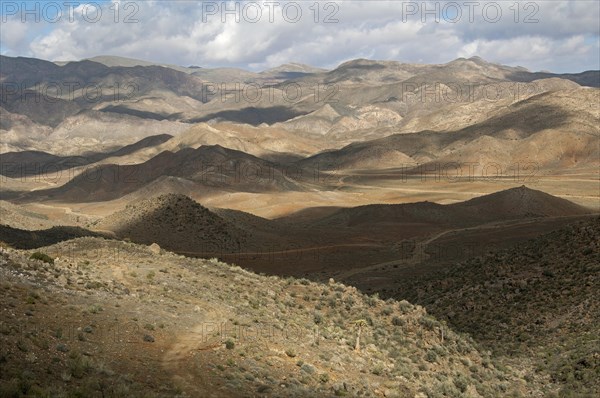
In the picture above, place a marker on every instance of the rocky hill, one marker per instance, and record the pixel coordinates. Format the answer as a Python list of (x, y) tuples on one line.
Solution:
[(520, 202), (108, 318), (175, 222)]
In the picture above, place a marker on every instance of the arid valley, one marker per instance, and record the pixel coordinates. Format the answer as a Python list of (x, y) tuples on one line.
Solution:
[(377, 228)]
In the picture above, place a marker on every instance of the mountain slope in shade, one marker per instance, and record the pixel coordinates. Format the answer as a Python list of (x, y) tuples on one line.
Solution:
[(176, 223), (29, 163), (590, 78), (117, 87), (537, 301), (564, 123), (257, 141), (32, 239), (510, 204), (212, 167), (520, 202)]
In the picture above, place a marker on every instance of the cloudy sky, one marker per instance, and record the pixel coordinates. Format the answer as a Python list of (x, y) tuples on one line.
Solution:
[(560, 36)]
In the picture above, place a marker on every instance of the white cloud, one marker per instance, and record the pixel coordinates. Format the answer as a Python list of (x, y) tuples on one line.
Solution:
[(182, 32)]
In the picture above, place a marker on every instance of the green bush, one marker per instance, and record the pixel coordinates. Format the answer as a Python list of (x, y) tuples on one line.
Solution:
[(42, 257), (461, 383), (431, 356)]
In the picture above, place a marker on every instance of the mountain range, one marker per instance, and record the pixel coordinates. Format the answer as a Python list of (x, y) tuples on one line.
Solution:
[(432, 228)]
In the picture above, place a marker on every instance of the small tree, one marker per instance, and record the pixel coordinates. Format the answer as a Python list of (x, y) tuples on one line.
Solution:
[(359, 324), (443, 330)]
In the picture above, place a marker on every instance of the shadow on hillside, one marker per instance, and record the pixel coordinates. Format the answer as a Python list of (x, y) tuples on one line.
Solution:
[(34, 163), (23, 239), (527, 118), (123, 110), (590, 78), (251, 115)]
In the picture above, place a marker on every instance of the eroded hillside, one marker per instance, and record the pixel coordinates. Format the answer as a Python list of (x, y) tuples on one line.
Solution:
[(110, 318)]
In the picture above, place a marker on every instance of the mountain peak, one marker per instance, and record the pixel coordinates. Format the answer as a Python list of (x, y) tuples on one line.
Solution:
[(293, 68), (175, 222), (524, 201), (471, 60), (478, 59)]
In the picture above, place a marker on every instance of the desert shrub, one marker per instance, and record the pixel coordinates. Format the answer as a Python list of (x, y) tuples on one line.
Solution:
[(387, 311), (94, 309), (440, 350), (428, 322), (405, 306), (93, 285), (461, 383), (79, 366), (318, 318), (307, 368), (431, 356), (332, 302), (42, 257)]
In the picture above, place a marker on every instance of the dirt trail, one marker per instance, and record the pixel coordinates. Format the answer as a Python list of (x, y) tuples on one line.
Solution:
[(186, 357), (417, 256), (420, 255), (300, 250)]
